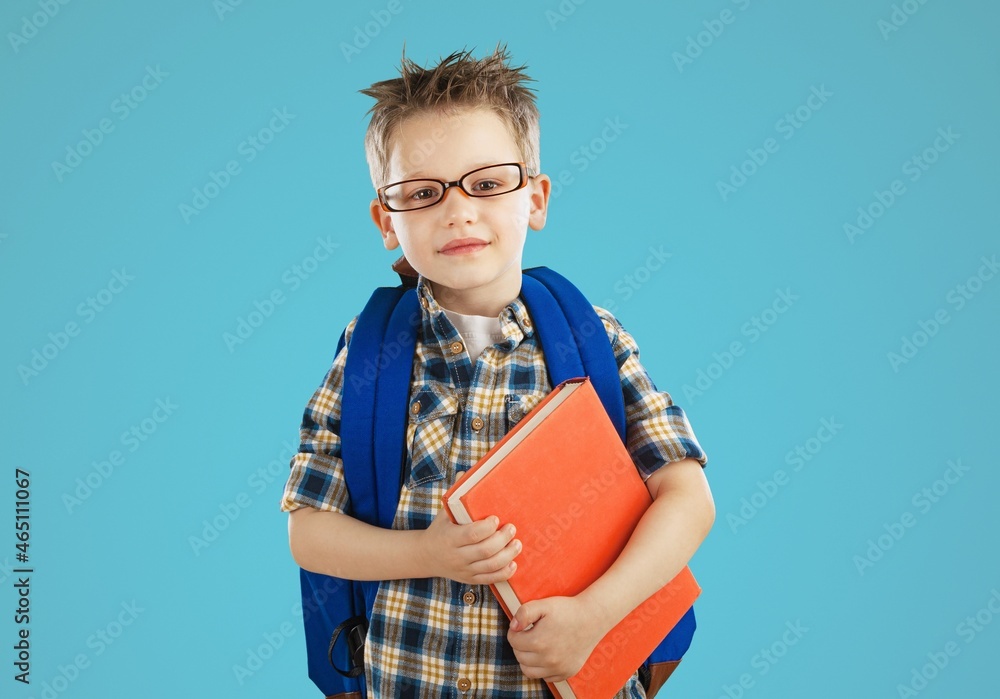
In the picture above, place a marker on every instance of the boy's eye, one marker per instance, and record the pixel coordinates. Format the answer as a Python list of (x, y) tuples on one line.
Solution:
[(485, 186), (423, 193)]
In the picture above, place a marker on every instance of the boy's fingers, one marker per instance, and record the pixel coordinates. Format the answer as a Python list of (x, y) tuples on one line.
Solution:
[(492, 537), (481, 530), (495, 544), (496, 562), (497, 576)]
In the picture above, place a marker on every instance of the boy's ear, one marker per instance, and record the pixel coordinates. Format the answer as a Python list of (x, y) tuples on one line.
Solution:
[(383, 221), (540, 190)]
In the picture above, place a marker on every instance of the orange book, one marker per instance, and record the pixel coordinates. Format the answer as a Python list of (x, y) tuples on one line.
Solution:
[(570, 487)]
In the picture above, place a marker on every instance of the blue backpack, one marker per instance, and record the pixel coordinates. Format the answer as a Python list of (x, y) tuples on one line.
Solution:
[(373, 427)]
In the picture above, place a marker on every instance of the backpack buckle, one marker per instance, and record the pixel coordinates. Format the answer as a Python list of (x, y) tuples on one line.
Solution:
[(357, 629)]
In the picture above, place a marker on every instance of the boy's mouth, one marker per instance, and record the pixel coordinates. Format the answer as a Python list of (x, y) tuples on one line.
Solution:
[(463, 246)]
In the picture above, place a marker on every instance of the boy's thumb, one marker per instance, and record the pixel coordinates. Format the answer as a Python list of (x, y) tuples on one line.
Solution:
[(524, 618)]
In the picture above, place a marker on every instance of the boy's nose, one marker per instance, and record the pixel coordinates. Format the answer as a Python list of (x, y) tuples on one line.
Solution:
[(457, 203)]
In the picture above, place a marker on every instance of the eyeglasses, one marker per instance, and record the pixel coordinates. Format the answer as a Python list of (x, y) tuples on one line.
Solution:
[(490, 181)]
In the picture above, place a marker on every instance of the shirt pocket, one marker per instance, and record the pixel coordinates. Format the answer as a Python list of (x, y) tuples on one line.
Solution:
[(517, 405), (430, 434)]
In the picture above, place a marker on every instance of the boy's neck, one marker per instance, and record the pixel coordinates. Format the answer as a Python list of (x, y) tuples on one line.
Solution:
[(484, 301)]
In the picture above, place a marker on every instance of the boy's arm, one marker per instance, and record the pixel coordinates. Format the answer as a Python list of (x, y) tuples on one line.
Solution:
[(337, 544), (663, 542), (670, 531), (324, 539)]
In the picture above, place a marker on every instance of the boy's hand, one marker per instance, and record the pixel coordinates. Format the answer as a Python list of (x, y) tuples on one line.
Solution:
[(476, 554), (553, 637)]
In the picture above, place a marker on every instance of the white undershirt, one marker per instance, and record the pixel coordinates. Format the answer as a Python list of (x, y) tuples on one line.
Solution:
[(478, 332)]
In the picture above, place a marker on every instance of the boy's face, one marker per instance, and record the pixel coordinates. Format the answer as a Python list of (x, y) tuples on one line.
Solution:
[(469, 249)]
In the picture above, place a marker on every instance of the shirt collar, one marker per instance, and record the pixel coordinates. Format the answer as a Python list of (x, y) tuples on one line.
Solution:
[(515, 321)]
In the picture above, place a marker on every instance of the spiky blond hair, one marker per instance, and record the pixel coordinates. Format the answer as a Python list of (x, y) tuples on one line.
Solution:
[(457, 83)]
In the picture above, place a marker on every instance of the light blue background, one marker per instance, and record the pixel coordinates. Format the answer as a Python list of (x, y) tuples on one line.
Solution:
[(655, 185)]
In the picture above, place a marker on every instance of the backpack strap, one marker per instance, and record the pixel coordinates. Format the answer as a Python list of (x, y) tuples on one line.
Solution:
[(375, 396), (565, 323), (392, 398)]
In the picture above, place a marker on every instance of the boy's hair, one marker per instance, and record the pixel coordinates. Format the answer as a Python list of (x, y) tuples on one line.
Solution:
[(458, 82)]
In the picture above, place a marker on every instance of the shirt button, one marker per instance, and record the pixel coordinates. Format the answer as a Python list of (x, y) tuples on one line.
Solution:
[(477, 423), (469, 598), (415, 408), (464, 684), (455, 348), (527, 322)]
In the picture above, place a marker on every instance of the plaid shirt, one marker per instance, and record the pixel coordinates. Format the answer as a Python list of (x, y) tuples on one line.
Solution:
[(435, 637)]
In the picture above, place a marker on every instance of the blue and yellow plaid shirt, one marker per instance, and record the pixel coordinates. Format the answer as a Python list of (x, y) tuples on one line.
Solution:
[(435, 637)]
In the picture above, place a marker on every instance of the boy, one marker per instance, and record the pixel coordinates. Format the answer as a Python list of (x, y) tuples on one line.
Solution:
[(436, 629)]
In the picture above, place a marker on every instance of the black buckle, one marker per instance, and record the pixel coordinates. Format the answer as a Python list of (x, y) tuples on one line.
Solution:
[(357, 629)]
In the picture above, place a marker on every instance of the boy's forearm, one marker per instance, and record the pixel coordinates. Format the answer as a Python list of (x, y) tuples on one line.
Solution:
[(336, 544), (662, 544)]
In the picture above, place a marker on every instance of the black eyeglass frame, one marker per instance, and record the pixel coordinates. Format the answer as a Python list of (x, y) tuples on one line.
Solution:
[(522, 170)]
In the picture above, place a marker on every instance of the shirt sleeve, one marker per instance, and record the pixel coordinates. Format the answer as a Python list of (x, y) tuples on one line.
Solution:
[(657, 430), (317, 470)]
